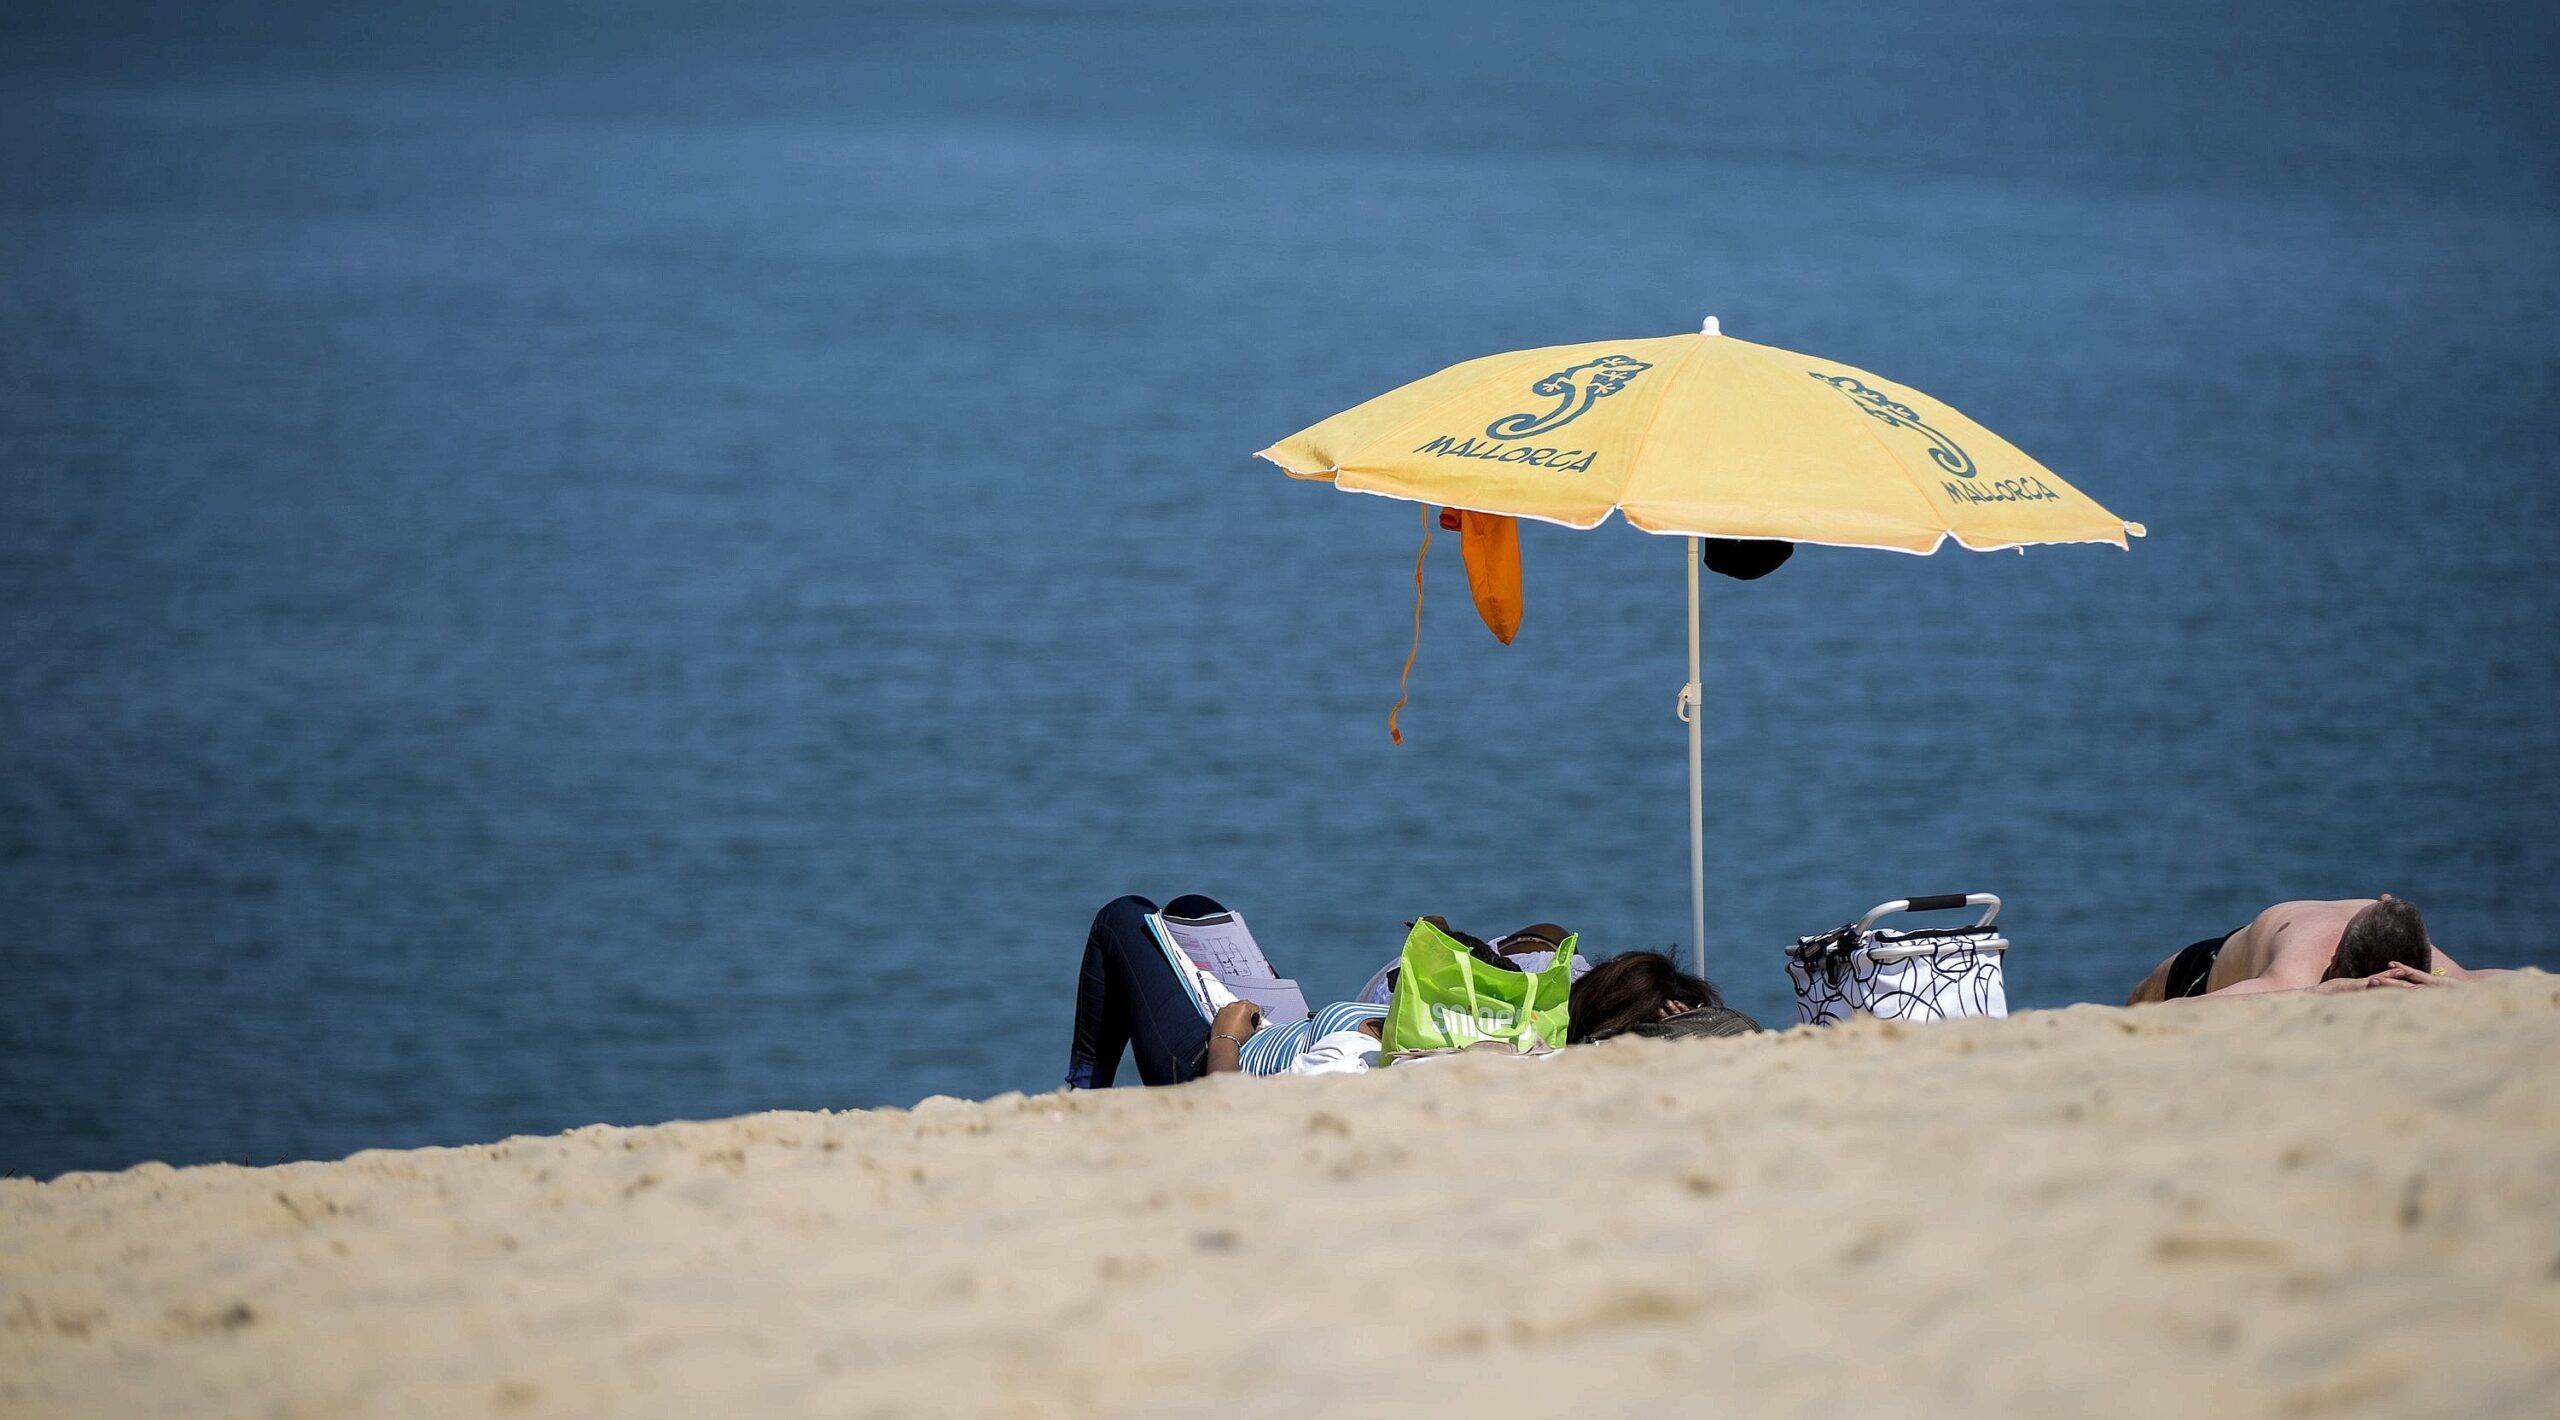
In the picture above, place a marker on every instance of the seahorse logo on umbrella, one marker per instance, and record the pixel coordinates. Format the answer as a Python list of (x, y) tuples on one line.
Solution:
[(1946, 453), (1574, 390)]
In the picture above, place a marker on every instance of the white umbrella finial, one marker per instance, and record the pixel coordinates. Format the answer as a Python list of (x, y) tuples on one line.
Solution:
[(1711, 328)]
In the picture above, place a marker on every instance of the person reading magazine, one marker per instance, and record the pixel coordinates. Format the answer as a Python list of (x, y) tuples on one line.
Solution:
[(1131, 997), (1134, 996)]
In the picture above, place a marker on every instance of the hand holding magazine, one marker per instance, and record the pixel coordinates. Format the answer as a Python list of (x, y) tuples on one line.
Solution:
[(1217, 961)]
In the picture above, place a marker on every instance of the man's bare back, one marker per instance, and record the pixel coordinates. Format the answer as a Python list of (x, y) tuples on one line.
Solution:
[(2289, 947)]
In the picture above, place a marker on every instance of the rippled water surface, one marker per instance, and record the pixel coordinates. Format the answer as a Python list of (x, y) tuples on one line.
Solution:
[(602, 562)]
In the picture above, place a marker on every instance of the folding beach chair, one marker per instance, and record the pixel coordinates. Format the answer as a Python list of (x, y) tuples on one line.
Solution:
[(1930, 974)]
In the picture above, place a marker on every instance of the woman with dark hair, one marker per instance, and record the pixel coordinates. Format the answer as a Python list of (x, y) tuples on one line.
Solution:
[(1641, 993)]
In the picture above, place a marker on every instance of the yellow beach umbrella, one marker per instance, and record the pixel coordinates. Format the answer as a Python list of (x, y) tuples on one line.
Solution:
[(1702, 436)]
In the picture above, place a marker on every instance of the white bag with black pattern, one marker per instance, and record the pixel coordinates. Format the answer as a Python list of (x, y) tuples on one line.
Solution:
[(1931, 974)]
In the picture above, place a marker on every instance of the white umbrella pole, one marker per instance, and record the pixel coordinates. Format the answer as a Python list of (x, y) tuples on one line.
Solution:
[(1692, 709)]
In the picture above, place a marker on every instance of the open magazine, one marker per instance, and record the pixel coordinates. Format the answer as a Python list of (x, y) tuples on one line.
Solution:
[(1221, 949)]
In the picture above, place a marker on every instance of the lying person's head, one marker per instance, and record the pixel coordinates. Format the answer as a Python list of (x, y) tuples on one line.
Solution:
[(2388, 931), (1630, 990)]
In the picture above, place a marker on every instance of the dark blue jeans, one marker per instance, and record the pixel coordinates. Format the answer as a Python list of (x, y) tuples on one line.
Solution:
[(1127, 998)]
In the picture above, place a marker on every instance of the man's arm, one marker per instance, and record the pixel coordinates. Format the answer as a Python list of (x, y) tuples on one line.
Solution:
[(2452, 970), (2254, 986), (2397, 974), (2400, 974), (1228, 1031)]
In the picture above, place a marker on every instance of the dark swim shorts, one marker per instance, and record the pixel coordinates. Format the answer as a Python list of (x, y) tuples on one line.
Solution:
[(2192, 967)]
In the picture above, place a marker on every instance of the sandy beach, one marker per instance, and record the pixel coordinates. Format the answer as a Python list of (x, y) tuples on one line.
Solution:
[(2291, 1207)]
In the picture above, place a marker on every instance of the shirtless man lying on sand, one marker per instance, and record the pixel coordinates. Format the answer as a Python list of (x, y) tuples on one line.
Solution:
[(2349, 945)]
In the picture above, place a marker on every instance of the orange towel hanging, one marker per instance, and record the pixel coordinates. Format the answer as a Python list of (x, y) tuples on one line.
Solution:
[(1491, 545)]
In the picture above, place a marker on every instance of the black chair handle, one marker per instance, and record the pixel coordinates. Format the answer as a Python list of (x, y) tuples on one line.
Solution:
[(1941, 902)]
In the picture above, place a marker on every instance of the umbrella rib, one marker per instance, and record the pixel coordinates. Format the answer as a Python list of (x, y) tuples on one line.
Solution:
[(1671, 385), (1944, 532)]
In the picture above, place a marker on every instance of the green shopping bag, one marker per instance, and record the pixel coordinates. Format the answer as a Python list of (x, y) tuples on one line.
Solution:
[(1445, 999)]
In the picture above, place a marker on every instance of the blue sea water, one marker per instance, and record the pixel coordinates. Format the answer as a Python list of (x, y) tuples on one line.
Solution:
[(575, 562)]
